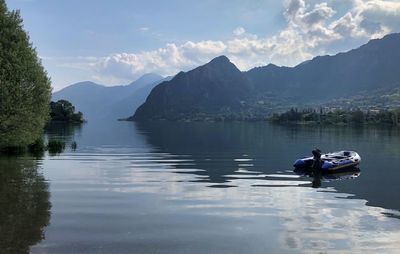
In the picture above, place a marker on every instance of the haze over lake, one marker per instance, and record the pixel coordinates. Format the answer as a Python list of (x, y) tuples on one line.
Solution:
[(204, 188)]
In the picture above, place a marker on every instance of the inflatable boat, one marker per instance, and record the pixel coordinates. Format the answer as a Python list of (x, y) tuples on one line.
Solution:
[(331, 161)]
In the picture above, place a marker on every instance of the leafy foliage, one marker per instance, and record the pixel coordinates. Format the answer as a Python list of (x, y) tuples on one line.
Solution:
[(55, 147), (64, 111), (356, 117), (24, 86)]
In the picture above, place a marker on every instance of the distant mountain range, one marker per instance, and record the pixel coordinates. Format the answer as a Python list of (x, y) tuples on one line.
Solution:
[(219, 90), (101, 102)]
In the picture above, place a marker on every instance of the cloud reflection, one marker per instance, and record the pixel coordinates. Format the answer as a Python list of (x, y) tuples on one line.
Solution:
[(309, 220)]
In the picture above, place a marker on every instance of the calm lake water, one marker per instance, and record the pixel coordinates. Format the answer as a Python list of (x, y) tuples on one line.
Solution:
[(201, 188)]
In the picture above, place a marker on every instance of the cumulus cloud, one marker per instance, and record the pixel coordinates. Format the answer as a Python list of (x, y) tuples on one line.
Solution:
[(127, 66), (369, 19), (166, 61), (309, 31)]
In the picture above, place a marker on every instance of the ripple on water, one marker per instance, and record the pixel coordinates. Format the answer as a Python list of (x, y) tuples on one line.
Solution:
[(128, 195)]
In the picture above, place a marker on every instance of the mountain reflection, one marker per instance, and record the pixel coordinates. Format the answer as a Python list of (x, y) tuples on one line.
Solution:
[(24, 204), (217, 150), (222, 153)]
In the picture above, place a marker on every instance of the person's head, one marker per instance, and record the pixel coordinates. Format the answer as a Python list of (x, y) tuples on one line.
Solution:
[(317, 153)]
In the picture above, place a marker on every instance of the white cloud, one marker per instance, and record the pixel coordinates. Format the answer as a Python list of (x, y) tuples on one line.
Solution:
[(203, 48), (320, 13), (369, 19), (239, 31), (310, 30)]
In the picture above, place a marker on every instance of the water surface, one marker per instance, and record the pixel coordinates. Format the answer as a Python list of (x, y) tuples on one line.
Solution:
[(201, 188)]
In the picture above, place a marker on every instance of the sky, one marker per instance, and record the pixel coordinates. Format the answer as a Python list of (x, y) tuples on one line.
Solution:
[(115, 42)]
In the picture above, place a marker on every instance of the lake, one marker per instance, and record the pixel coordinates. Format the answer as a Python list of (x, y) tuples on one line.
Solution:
[(201, 188)]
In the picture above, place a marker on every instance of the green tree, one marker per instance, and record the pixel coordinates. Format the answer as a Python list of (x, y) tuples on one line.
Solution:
[(396, 117), (64, 111), (357, 117), (24, 86)]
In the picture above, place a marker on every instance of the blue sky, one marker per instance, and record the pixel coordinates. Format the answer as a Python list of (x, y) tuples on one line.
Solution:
[(115, 42)]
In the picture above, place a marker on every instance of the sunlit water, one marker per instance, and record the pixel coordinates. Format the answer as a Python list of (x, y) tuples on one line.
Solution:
[(201, 188)]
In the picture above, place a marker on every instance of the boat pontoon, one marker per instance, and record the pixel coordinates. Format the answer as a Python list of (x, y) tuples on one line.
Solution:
[(331, 161)]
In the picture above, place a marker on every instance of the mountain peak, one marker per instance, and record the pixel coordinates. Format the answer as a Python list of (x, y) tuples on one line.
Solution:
[(146, 79), (220, 60), (220, 64), (215, 86), (99, 102), (150, 75), (82, 85)]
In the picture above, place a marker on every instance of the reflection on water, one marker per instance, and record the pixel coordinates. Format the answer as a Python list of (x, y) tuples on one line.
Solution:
[(219, 188), (24, 205), (337, 175), (136, 202), (223, 149), (61, 136), (63, 131)]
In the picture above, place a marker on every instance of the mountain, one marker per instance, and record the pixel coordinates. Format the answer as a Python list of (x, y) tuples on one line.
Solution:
[(369, 67), (100, 102), (218, 88), (210, 88)]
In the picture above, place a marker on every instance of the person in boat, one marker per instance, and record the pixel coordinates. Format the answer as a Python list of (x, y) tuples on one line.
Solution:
[(317, 162), (316, 168)]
